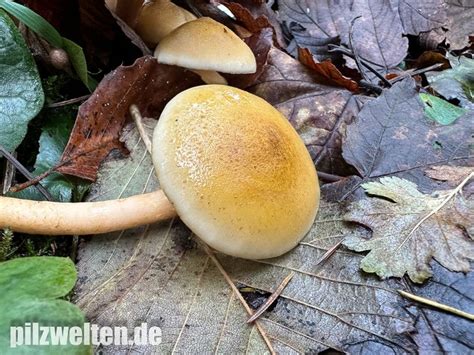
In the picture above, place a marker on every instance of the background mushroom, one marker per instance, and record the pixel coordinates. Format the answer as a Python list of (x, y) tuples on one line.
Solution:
[(206, 46), (235, 170), (158, 18)]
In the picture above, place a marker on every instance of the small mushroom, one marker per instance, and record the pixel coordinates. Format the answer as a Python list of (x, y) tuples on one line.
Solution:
[(205, 45), (158, 18), (230, 165)]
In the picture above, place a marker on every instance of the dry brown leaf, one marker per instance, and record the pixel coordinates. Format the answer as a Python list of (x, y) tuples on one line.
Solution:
[(327, 70), (101, 118), (452, 174)]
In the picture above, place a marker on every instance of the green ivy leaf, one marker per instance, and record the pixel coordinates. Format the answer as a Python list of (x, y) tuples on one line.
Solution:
[(22, 95), (30, 290), (441, 110)]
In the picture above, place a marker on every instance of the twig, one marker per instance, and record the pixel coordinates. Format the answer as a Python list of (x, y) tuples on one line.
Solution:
[(34, 181), (25, 172), (356, 57), (329, 177), (438, 305), (69, 102), (216, 262), (137, 117), (272, 298), (329, 252), (348, 52), (441, 205), (416, 72)]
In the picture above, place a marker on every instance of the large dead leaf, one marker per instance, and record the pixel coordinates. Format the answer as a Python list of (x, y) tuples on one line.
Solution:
[(319, 113), (158, 274), (377, 33), (409, 231), (421, 15), (101, 118), (391, 135)]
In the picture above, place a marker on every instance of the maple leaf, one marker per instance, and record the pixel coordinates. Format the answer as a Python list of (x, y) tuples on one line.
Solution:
[(411, 230)]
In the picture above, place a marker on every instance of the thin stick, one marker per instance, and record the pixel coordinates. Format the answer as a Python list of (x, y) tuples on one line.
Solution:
[(69, 102), (330, 252), (416, 72), (441, 205), (438, 305), (216, 262), (272, 298), (137, 117), (25, 172), (34, 181)]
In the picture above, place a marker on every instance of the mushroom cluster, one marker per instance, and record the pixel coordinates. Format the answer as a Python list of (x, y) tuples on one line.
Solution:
[(230, 165)]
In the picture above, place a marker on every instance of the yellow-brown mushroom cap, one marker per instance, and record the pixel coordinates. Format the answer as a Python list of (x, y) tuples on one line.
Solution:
[(158, 18), (206, 44), (236, 171)]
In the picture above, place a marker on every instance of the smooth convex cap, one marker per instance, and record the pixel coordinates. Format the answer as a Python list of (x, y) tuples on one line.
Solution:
[(206, 44), (236, 171), (158, 18)]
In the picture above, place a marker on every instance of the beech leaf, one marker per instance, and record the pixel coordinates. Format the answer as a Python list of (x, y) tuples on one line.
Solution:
[(410, 231)]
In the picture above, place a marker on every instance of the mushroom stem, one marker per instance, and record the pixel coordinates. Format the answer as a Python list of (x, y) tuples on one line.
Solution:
[(56, 218)]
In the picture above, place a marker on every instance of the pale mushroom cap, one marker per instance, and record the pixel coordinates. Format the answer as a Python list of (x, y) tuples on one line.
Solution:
[(236, 171), (158, 18), (208, 45)]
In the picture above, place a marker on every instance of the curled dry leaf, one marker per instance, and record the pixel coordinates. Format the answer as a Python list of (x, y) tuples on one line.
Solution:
[(327, 70), (319, 113), (255, 16), (411, 230), (157, 274), (101, 118)]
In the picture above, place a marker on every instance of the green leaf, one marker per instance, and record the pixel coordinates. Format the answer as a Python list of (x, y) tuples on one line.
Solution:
[(441, 110), (20, 85), (34, 21), (78, 61), (456, 83), (53, 140), (30, 288)]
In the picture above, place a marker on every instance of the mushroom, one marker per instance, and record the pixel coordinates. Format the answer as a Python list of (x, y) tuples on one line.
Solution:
[(230, 165), (207, 47), (158, 18)]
